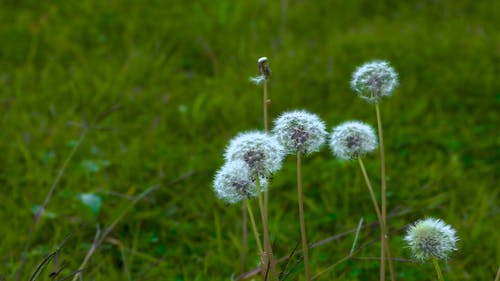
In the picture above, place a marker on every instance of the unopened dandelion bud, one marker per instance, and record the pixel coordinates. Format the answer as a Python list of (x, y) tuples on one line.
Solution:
[(262, 152), (300, 131), (234, 182), (374, 80), (431, 238), (352, 139)]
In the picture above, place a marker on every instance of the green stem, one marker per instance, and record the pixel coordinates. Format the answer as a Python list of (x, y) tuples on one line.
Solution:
[(254, 228), (438, 269), (305, 247), (383, 235), (244, 234), (385, 249), (268, 264)]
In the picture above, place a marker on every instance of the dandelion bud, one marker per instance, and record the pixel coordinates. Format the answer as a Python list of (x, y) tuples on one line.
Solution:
[(300, 131), (374, 80), (431, 238), (234, 182), (352, 139), (262, 152), (264, 71)]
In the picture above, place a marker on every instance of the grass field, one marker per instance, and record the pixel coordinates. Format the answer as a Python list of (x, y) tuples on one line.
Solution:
[(164, 86)]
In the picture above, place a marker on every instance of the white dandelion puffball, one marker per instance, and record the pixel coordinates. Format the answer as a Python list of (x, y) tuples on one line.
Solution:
[(300, 131), (374, 80), (262, 152), (431, 238), (234, 182), (352, 139)]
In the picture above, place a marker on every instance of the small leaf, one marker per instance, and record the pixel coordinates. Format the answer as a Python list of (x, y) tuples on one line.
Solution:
[(91, 200)]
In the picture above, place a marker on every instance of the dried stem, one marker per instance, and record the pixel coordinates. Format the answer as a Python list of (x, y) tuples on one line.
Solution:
[(394, 213), (39, 212), (383, 235), (267, 239), (99, 238), (305, 247)]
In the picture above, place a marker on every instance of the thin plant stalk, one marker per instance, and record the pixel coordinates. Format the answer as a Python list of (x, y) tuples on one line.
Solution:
[(383, 226), (305, 247), (244, 234), (267, 239), (438, 269), (383, 235), (100, 238), (267, 259), (41, 209), (254, 228)]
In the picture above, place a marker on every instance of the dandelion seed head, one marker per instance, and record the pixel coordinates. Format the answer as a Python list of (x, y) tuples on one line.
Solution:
[(352, 139), (374, 80), (300, 131), (262, 152), (431, 238), (234, 182)]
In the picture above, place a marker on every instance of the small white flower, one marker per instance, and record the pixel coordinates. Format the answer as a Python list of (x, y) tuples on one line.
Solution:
[(374, 80), (431, 238), (300, 131), (352, 139), (262, 152), (234, 182)]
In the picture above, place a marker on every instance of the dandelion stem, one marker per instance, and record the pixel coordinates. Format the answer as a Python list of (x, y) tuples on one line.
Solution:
[(244, 231), (305, 247), (267, 259), (383, 226), (383, 235), (438, 269), (266, 102), (254, 228), (267, 240)]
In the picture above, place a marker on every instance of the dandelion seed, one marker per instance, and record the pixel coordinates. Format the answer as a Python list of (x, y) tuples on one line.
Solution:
[(264, 71), (300, 131), (352, 139), (262, 152), (234, 182), (431, 238), (374, 80), (258, 79)]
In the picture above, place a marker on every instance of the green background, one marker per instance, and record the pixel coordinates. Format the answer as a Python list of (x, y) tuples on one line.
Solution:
[(177, 72)]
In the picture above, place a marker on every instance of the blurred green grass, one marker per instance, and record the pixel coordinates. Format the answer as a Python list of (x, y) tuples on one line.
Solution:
[(179, 71)]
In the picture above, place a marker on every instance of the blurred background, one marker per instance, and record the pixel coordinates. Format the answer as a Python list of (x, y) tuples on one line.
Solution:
[(165, 84)]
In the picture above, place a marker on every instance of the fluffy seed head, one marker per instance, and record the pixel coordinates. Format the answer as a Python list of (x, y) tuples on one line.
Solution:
[(234, 182), (352, 139), (262, 152), (374, 80), (300, 131), (431, 238)]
